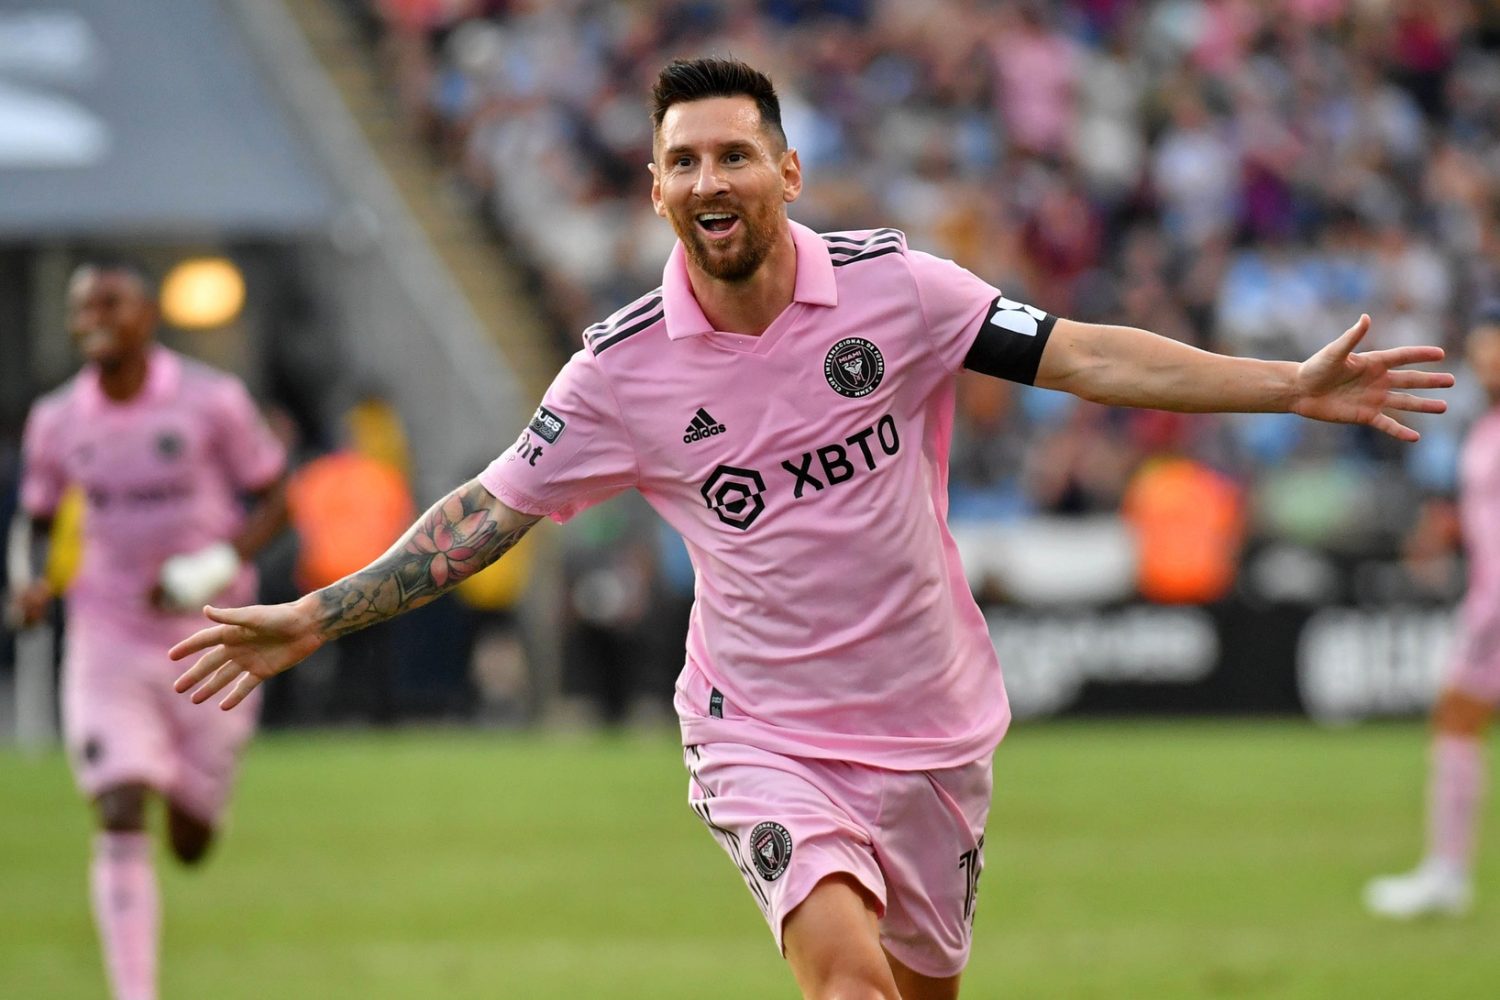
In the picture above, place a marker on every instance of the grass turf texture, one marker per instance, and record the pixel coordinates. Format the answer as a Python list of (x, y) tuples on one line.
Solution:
[(1201, 859)]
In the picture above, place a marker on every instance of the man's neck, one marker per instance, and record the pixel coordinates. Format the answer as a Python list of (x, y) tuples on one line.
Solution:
[(124, 379), (751, 305)]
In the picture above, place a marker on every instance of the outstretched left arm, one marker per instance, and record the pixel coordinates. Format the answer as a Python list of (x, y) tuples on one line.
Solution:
[(1124, 366)]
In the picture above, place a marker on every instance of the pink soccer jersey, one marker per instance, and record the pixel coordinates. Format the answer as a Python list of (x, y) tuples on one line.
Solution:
[(1476, 664), (806, 468), (161, 474)]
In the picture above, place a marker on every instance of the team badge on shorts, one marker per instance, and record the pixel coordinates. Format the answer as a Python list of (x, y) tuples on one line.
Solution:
[(854, 367), (770, 849), (93, 750)]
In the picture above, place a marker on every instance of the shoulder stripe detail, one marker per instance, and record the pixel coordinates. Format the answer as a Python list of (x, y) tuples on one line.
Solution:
[(836, 253), (604, 342), (620, 319), (866, 256), (839, 238)]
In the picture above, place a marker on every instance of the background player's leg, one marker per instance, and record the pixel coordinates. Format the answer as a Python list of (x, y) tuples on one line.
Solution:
[(205, 751), (189, 836), (1455, 787), (915, 986), (832, 942), (127, 907), (1456, 783)]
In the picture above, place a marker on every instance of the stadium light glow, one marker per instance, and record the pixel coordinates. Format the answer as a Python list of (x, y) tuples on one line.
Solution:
[(202, 293)]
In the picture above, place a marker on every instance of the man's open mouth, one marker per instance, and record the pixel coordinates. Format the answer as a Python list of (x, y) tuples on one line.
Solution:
[(717, 223)]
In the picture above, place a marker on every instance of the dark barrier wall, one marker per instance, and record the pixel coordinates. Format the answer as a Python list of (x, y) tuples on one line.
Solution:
[(1335, 664)]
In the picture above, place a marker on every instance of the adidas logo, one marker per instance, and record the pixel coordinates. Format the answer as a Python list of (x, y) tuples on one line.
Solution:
[(703, 426)]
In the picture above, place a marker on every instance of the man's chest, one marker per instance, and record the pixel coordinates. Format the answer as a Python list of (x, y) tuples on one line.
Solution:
[(146, 460), (812, 417)]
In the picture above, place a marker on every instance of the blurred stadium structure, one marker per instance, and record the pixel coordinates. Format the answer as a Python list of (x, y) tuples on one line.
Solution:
[(429, 200)]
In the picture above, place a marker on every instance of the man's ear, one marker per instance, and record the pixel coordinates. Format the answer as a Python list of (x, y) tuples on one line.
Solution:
[(656, 200), (791, 176)]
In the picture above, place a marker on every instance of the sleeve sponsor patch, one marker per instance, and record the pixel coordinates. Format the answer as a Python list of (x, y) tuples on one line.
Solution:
[(547, 425), (1010, 341)]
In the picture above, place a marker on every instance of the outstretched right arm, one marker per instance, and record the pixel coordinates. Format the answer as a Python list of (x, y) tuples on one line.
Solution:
[(459, 536)]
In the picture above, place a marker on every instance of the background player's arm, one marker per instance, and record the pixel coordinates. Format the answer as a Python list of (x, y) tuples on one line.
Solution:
[(264, 521), (190, 579), (457, 537), (1124, 366), (26, 569)]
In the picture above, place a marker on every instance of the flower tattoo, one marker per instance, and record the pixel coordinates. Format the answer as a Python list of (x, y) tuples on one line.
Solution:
[(459, 536)]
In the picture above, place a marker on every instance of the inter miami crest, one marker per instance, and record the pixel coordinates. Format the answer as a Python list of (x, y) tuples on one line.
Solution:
[(770, 849), (854, 367)]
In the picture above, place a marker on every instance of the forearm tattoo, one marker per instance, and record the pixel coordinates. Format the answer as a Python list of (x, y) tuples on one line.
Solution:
[(459, 536)]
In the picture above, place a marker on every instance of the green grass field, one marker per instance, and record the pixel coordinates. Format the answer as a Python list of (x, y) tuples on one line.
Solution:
[(1203, 859)]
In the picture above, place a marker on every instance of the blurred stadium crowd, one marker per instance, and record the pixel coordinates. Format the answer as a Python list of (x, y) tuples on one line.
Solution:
[(1164, 164)]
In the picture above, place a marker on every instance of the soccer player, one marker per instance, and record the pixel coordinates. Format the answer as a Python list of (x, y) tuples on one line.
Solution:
[(164, 449), (1442, 883), (784, 401)]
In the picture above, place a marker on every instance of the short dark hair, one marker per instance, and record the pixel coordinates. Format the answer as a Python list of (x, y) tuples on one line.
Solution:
[(696, 79), (110, 263)]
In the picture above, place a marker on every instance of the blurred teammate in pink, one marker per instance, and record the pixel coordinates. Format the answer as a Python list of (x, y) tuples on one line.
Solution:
[(165, 450), (785, 401), (1443, 882)]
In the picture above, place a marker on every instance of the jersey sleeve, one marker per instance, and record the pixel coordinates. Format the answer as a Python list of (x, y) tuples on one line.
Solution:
[(43, 477), (974, 326), (252, 455), (575, 453)]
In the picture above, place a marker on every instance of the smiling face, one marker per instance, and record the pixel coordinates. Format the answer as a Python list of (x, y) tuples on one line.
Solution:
[(110, 315), (723, 181)]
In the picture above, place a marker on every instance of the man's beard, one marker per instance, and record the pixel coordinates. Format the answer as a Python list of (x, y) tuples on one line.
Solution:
[(756, 244)]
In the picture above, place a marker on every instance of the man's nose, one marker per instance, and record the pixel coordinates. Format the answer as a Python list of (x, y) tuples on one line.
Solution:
[(710, 181)]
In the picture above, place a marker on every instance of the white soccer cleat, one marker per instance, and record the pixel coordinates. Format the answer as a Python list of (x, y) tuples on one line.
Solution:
[(1433, 889)]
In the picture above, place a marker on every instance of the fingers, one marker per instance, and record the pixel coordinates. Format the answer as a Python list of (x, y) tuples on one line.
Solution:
[(1421, 380), (1413, 404), (220, 680), (206, 665), (231, 616), (1397, 357), (1387, 424), (1351, 337), (199, 641), (240, 691)]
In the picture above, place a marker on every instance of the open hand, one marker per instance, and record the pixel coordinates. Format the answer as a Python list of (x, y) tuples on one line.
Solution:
[(1343, 387), (247, 646)]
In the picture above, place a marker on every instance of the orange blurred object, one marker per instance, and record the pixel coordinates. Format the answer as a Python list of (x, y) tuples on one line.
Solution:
[(347, 509), (1189, 522)]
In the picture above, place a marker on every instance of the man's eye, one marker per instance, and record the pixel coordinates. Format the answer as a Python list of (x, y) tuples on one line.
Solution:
[(684, 161), (735, 157)]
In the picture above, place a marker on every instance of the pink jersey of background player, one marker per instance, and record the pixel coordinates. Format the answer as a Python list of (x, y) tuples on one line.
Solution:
[(162, 474), (164, 450), (1443, 881), (1476, 663), (807, 471)]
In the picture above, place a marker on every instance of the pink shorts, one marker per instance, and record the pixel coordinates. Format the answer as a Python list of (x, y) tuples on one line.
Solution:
[(913, 839), (124, 724), (1479, 678), (1475, 667)]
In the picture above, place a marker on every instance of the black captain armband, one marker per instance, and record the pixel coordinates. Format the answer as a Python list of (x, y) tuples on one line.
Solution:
[(1010, 341)]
